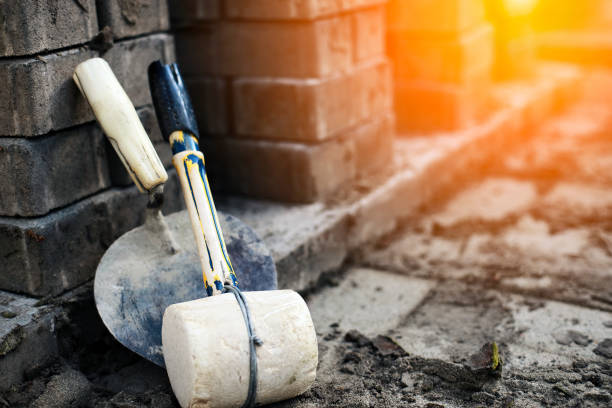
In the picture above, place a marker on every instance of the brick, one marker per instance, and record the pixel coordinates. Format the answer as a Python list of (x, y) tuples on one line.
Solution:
[(368, 34), (128, 18), (296, 172), (312, 109), (51, 171), (41, 95), (32, 26), (373, 145), (39, 259), (448, 16), (429, 106), (292, 9), (281, 171), (304, 49), (443, 59), (187, 12), (209, 99), (130, 60)]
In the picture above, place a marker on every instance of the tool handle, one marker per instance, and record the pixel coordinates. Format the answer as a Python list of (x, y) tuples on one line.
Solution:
[(177, 122), (119, 120), (189, 162)]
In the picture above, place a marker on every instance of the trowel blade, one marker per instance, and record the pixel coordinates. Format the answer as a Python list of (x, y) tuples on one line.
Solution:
[(136, 280)]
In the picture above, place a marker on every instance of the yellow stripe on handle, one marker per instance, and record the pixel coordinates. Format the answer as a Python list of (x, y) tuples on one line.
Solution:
[(216, 266)]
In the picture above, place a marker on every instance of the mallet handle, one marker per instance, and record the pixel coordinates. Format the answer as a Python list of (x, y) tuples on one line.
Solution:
[(178, 125), (189, 162), (119, 120)]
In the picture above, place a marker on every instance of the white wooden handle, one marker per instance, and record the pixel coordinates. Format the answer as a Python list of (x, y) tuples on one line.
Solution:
[(119, 120), (189, 167)]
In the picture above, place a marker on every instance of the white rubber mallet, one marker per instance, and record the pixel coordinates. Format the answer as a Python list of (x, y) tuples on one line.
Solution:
[(228, 349)]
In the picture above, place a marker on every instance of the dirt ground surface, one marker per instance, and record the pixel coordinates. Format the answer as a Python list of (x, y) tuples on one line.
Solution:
[(500, 296)]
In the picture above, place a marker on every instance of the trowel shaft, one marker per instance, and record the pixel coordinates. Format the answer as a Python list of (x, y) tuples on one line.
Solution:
[(189, 163)]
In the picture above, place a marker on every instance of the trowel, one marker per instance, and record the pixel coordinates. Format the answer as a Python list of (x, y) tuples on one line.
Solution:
[(157, 264)]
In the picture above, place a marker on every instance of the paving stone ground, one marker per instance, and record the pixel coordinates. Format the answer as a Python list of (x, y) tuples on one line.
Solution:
[(498, 296)]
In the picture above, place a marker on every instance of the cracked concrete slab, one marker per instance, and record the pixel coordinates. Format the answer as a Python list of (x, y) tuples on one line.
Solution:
[(367, 300)]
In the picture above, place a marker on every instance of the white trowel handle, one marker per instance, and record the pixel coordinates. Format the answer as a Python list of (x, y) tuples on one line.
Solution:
[(119, 120), (189, 162)]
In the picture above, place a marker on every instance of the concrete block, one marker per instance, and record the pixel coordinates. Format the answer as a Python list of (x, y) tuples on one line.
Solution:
[(312, 109), (135, 17), (209, 99), (52, 171), (296, 172), (184, 13), (33, 26), (435, 15), (130, 59), (422, 106), (305, 49), (292, 9), (280, 171), (27, 337), (40, 260), (456, 59), (368, 34), (41, 96)]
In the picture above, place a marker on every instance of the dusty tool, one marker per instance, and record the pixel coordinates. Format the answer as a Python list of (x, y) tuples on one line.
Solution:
[(155, 265), (230, 349)]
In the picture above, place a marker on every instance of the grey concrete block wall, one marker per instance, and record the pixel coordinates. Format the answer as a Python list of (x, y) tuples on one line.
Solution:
[(311, 109), (29, 27), (59, 209), (287, 92), (301, 50), (41, 96), (298, 172), (60, 168), (48, 255), (51, 171), (129, 18)]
